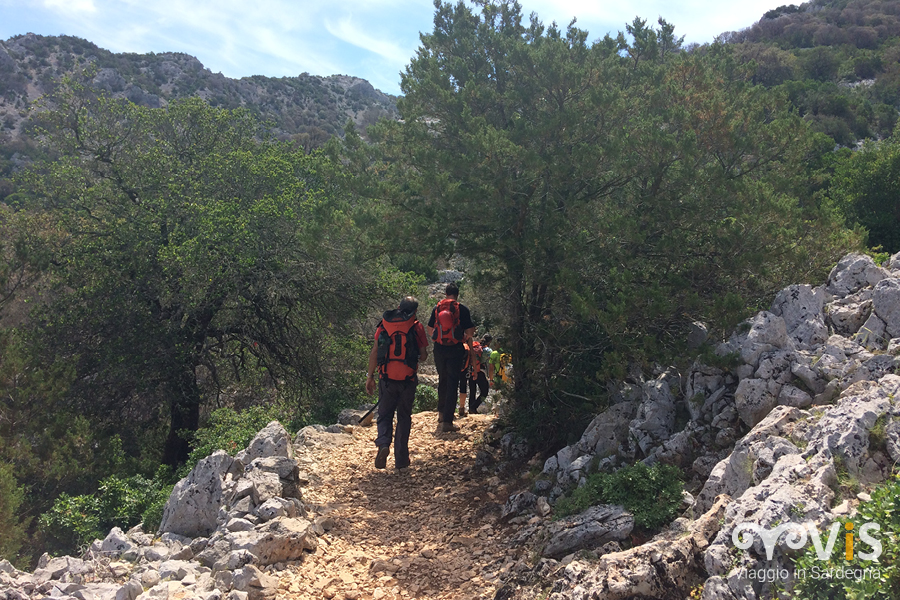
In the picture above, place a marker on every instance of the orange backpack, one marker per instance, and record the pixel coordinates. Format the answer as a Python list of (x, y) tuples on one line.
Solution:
[(398, 349), (476, 368), (446, 323)]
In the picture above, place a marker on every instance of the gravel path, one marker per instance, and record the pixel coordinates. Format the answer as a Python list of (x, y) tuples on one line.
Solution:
[(431, 533)]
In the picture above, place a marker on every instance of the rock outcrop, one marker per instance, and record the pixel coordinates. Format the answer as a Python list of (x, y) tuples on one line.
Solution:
[(225, 524), (769, 441)]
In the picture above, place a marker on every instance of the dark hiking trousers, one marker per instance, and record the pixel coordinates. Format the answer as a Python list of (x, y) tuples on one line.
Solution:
[(395, 396), (448, 360), (482, 384)]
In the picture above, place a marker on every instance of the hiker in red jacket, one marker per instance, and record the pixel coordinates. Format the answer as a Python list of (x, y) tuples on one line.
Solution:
[(400, 344), (450, 325)]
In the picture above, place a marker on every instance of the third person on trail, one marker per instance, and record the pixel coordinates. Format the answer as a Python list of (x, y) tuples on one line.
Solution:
[(450, 325), (479, 380)]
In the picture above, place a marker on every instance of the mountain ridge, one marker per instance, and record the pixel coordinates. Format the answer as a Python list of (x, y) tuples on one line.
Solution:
[(307, 109)]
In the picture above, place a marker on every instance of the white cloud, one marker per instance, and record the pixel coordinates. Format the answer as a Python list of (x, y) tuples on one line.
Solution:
[(71, 6), (352, 33)]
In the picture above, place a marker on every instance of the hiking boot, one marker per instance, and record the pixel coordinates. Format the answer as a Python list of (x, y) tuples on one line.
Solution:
[(381, 457), (448, 427), (463, 413)]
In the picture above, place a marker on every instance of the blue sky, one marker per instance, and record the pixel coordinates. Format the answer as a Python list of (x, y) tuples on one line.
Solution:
[(372, 39)]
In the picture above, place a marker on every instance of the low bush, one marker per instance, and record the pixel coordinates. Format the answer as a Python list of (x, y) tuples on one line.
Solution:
[(75, 521), (651, 494), (426, 399), (882, 580)]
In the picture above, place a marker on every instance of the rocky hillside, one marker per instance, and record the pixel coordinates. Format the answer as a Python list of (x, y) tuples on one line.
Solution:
[(799, 420), (307, 108)]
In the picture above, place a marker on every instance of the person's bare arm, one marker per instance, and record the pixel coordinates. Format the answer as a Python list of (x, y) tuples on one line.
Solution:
[(370, 374)]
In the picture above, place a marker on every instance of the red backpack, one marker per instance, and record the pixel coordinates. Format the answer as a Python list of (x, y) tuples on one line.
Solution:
[(398, 349), (446, 323), (466, 360)]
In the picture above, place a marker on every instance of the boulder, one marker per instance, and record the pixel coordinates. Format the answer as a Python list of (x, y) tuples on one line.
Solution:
[(278, 540), (853, 273), (115, 544), (194, 504), (666, 568), (518, 504), (654, 421), (607, 431), (766, 332), (588, 530), (272, 440), (873, 333), (847, 315), (801, 308), (755, 398)]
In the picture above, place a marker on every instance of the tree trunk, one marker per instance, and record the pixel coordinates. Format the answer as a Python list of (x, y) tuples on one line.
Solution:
[(184, 416)]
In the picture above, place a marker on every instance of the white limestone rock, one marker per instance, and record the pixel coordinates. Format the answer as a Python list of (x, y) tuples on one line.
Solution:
[(272, 440), (853, 273), (194, 504), (801, 307), (755, 398), (607, 431), (278, 540), (592, 528), (655, 418)]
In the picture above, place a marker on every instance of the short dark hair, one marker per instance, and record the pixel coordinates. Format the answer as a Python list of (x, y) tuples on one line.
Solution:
[(452, 289), (409, 305), (486, 339)]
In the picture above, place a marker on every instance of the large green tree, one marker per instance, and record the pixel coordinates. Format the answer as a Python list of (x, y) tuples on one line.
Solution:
[(613, 191), (183, 244), (867, 187)]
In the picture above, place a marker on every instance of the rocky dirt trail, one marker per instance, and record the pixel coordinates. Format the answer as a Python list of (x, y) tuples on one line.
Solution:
[(431, 533)]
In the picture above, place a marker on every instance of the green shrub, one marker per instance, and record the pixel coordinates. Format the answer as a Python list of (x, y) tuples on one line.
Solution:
[(426, 399), (882, 509), (332, 400), (152, 515), (72, 521), (76, 521), (415, 263), (651, 494)]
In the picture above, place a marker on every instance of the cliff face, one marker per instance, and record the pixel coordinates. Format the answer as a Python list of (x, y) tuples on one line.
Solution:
[(784, 438), (307, 108)]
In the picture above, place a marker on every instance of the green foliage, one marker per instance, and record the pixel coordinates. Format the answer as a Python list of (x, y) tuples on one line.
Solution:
[(866, 188), (651, 494), (193, 243), (426, 399), (75, 521), (593, 240), (416, 263), (882, 509), (11, 523)]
